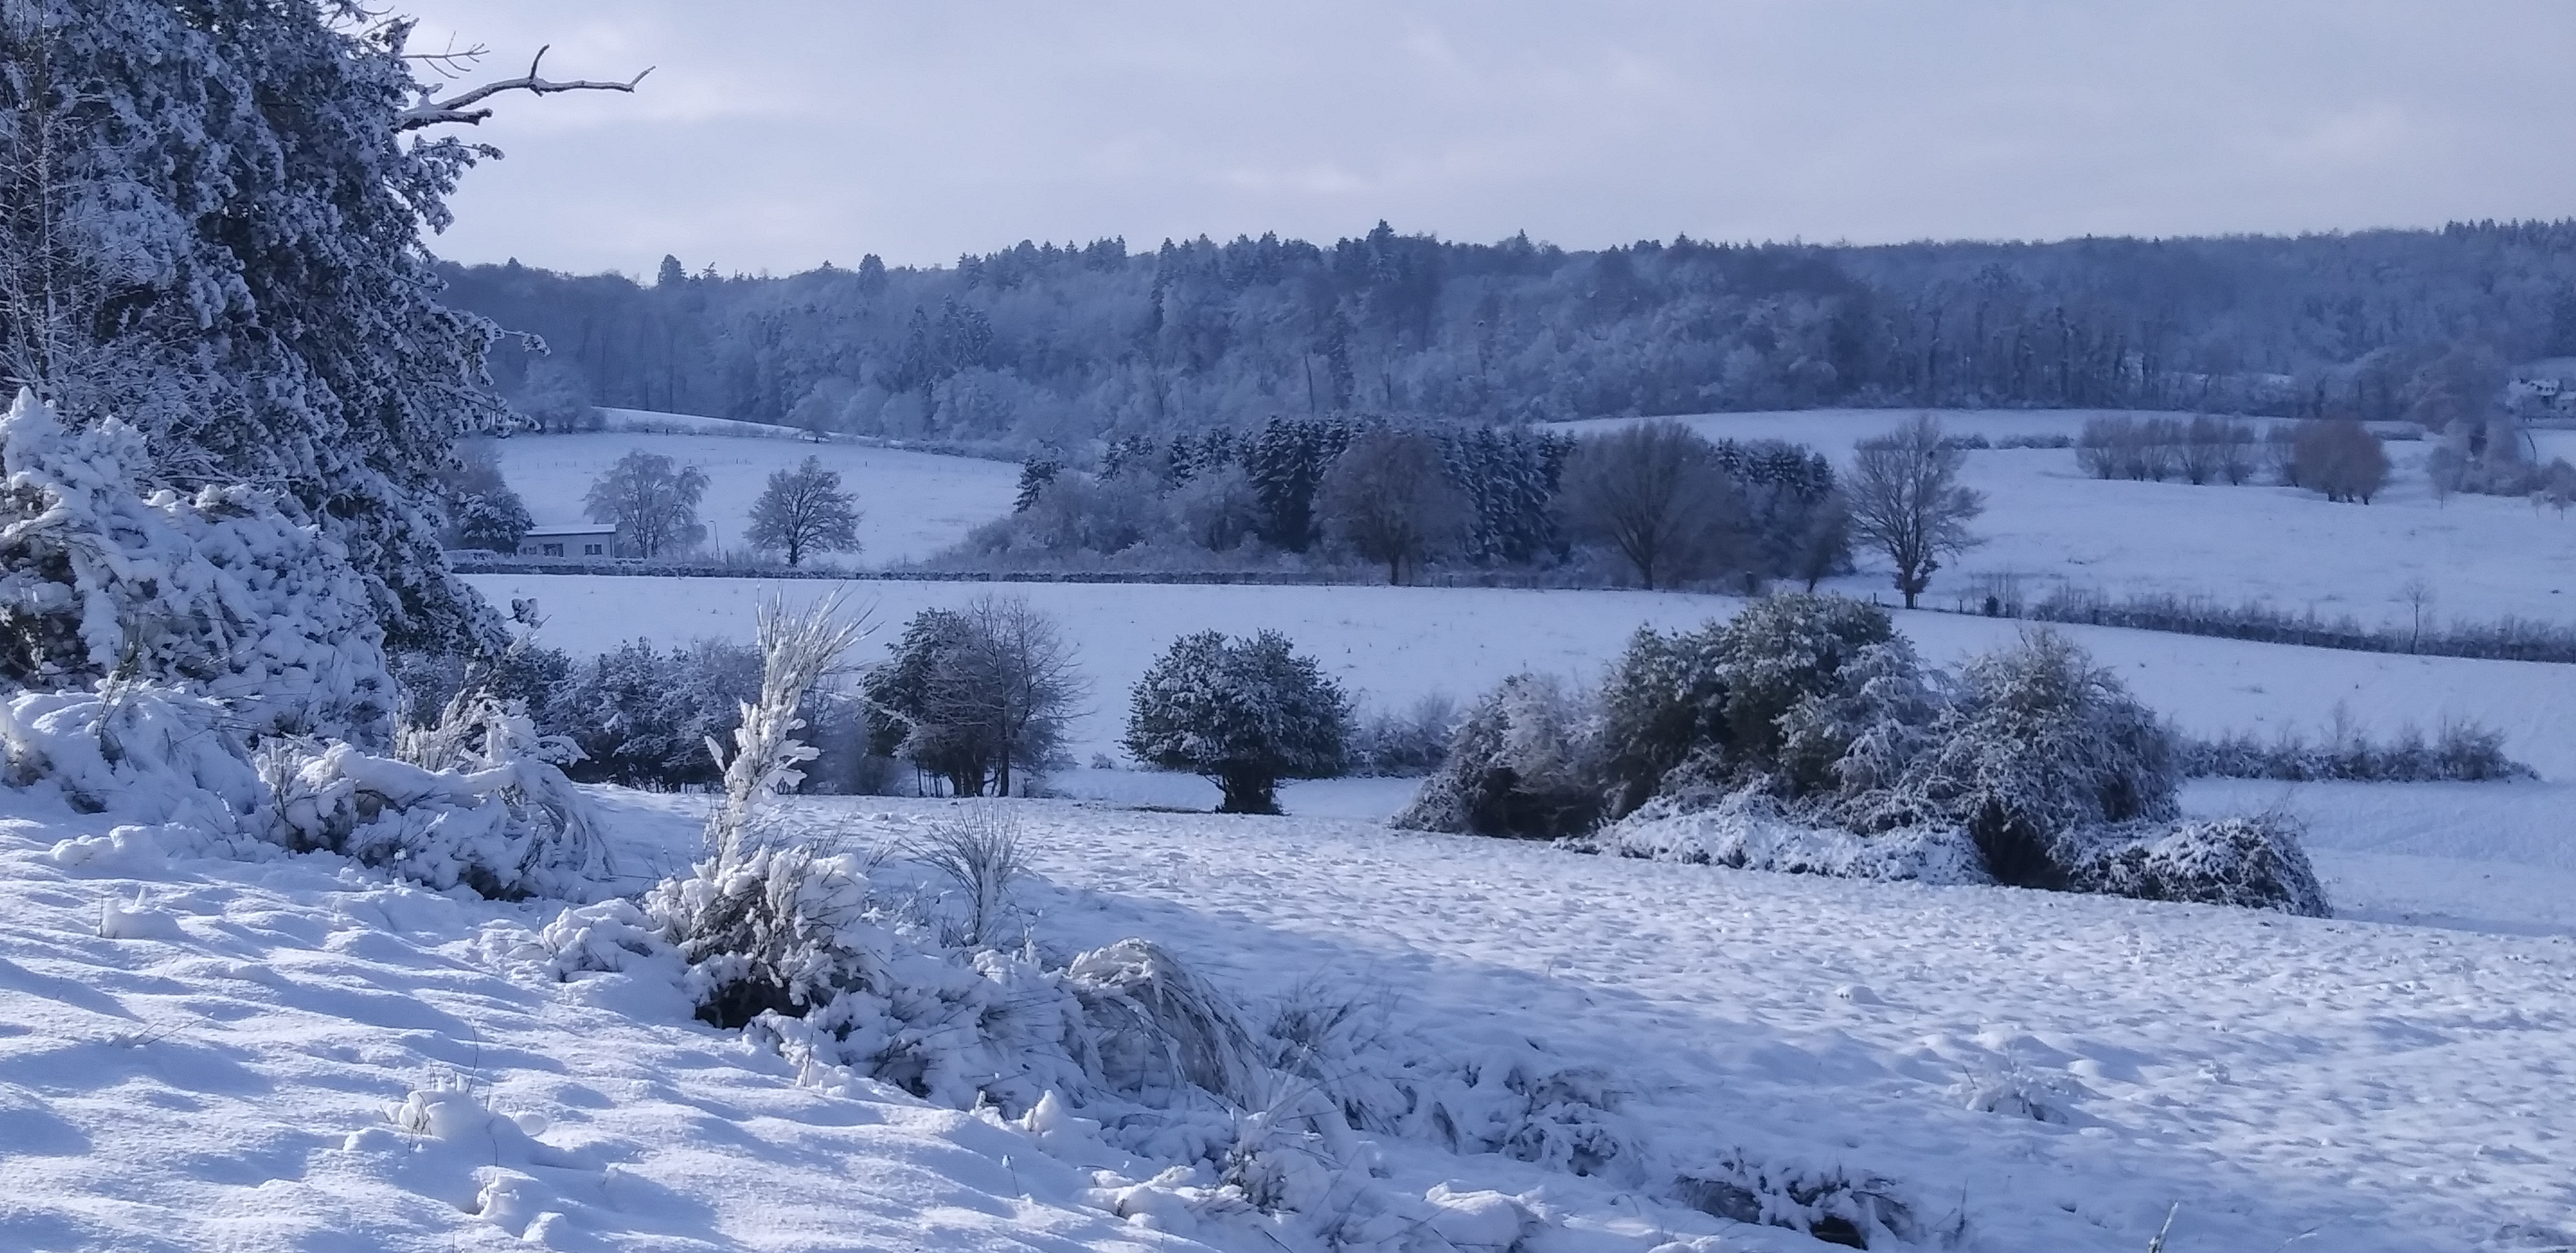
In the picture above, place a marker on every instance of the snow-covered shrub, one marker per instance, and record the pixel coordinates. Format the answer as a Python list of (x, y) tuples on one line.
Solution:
[(2255, 863), (1400, 743), (219, 592), (499, 817), (1777, 697), (1783, 654), (779, 929), (978, 849), (770, 928), (1242, 714), (1751, 830), (1157, 1026), (144, 751), (1523, 762), (2038, 742), (643, 716)]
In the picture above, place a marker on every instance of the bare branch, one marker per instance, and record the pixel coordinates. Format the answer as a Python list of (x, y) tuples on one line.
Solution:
[(460, 108), (452, 62)]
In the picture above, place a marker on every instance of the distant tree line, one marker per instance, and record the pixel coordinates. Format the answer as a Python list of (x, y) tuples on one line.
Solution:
[(1042, 345), (1658, 503)]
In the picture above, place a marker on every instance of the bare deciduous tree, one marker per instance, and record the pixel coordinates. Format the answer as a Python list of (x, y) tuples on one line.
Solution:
[(1906, 502), (804, 510), (652, 501), (1654, 493), (1387, 498), (978, 694)]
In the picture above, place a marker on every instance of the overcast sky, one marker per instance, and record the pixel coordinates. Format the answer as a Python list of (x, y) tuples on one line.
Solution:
[(777, 134)]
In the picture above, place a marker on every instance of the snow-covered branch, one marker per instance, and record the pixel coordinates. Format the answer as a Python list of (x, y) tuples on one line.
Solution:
[(462, 107)]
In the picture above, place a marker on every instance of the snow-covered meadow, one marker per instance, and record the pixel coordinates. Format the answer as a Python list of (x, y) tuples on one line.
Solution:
[(297, 1053), (911, 504), (2047, 523), (1598, 1054)]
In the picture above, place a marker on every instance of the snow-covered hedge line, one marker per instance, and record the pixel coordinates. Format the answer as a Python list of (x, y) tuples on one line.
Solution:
[(1804, 735), (2461, 752)]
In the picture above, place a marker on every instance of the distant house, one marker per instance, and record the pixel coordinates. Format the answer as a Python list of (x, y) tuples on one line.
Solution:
[(585, 541)]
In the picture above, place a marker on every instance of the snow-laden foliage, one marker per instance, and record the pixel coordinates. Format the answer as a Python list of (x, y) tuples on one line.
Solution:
[(477, 800), (2465, 752), (217, 592), (2255, 862), (1751, 831), (229, 231), (1245, 714), (1224, 1123), (1805, 736), (763, 925), (2039, 742), (796, 650), (1521, 763), (152, 754)]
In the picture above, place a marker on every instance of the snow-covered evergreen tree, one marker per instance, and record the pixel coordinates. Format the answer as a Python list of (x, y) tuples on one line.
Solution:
[(225, 222), (1244, 714)]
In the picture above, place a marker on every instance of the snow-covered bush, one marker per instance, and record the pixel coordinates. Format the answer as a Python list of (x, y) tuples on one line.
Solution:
[(1400, 743), (978, 850), (778, 929), (2256, 863), (2038, 743), (1749, 830), (1777, 697), (1243, 714), (219, 592), (643, 716), (1523, 762), (151, 753), (478, 800)]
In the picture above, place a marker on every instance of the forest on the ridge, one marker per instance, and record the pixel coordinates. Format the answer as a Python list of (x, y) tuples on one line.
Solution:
[(1047, 346)]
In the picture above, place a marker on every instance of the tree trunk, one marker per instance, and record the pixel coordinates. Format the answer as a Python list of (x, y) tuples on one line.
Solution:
[(1248, 794)]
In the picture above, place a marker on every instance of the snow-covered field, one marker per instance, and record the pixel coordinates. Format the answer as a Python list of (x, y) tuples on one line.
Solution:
[(911, 504), (2047, 522), (203, 1054)]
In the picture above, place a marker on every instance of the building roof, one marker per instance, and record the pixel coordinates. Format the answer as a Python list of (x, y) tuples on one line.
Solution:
[(571, 529)]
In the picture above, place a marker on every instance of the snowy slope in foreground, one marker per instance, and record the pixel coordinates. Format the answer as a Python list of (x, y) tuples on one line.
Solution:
[(199, 1054), (211, 1055), (1391, 645)]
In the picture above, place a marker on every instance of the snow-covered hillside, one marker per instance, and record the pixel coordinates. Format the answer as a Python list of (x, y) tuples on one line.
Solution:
[(2048, 523), (295, 1053), (911, 504), (1395, 644)]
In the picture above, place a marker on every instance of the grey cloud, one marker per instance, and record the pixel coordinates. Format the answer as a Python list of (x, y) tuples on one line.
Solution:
[(777, 135)]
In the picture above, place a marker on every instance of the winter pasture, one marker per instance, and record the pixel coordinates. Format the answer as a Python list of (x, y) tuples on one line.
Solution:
[(210, 1043), (911, 504), (2047, 524), (299, 1053)]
